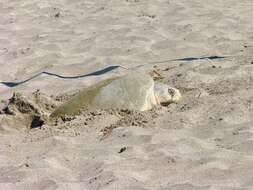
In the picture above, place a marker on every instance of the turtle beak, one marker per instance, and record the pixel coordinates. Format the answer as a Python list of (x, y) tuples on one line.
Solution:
[(171, 92), (175, 95)]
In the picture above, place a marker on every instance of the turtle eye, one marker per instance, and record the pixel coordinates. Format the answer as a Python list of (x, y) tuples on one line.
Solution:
[(171, 91)]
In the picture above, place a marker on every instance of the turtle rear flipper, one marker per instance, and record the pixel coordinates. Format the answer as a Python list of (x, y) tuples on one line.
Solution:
[(80, 100)]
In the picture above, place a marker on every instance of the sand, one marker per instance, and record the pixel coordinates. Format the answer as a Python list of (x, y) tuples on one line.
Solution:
[(202, 143)]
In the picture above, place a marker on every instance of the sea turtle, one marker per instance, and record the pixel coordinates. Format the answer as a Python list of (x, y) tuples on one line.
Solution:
[(133, 91)]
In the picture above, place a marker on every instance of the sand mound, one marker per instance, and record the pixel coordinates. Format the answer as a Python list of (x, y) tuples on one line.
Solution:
[(22, 112)]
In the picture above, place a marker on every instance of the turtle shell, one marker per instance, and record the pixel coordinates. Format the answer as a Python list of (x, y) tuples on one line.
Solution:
[(134, 91)]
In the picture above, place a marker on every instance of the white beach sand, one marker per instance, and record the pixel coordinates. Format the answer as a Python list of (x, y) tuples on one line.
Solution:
[(205, 142)]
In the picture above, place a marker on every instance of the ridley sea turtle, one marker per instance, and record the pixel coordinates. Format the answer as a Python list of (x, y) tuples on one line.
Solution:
[(134, 91)]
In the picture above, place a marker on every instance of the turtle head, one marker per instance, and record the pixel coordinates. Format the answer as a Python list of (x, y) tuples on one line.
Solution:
[(165, 94)]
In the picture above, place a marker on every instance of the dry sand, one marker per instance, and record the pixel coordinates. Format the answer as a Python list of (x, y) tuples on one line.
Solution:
[(203, 143)]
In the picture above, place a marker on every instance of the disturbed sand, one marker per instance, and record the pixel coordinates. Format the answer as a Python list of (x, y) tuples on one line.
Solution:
[(49, 50)]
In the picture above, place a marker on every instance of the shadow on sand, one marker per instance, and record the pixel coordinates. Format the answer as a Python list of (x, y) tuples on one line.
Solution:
[(96, 73), (103, 71)]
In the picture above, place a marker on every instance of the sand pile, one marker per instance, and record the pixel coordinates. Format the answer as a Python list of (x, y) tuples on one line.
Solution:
[(22, 112)]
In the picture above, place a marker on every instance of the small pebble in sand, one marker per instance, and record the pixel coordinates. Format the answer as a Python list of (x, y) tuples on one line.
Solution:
[(122, 150), (57, 15)]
